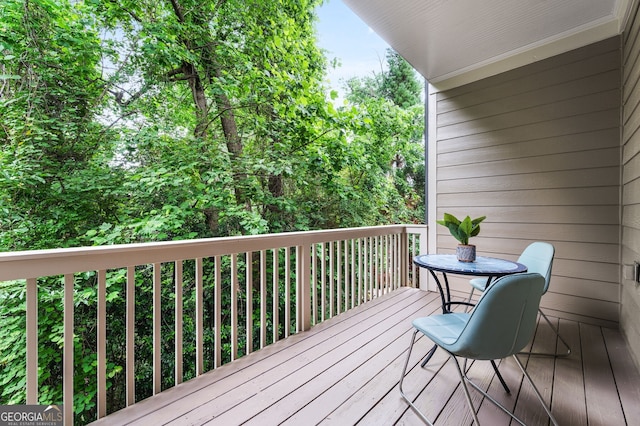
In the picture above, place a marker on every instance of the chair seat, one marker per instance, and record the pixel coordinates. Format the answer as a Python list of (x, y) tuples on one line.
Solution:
[(479, 283), (442, 329)]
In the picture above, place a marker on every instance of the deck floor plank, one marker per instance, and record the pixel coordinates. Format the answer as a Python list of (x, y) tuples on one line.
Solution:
[(363, 370), (568, 405), (369, 342), (294, 382), (541, 370), (345, 371), (627, 378), (391, 406), (603, 405)]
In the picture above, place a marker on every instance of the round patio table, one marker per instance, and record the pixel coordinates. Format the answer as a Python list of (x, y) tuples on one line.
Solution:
[(490, 267)]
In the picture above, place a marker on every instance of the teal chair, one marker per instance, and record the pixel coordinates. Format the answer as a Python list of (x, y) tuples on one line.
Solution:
[(501, 324), (538, 257)]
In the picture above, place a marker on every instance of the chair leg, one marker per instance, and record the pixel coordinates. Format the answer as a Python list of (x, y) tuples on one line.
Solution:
[(466, 308), (404, 372), (555, 330), (504, 384), (492, 400), (428, 356), (466, 379), (553, 420), (463, 381)]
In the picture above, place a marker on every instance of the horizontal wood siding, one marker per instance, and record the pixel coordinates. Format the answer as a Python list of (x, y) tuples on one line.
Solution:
[(630, 297), (537, 150)]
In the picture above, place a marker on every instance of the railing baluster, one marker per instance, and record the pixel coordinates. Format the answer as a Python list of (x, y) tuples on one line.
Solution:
[(360, 272), (388, 263), (303, 277), (323, 283), (339, 276), (347, 281), (199, 317), (367, 269), (352, 262), (378, 265), (157, 324), (217, 313), (314, 284), (275, 297), (102, 344), (179, 357), (397, 272), (287, 291), (411, 256), (391, 250), (375, 273), (263, 298), (234, 306), (32, 341), (68, 349), (331, 282), (130, 332), (249, 301)]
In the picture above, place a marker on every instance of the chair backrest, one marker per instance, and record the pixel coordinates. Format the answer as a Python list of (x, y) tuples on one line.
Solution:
[(538, 257), (504, 320)]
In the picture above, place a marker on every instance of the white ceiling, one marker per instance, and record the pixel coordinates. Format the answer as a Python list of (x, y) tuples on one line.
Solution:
[(453, 42)]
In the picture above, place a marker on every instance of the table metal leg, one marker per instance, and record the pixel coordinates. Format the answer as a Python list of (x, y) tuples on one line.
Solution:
[(445, 299), (429, 355), (504, 384)]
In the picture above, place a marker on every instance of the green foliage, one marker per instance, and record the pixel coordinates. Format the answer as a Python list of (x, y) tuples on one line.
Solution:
[(52, 184), (387, 143), (462, 230)]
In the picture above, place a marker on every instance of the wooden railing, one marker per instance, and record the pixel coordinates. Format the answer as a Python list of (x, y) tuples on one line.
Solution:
[(247, 292)]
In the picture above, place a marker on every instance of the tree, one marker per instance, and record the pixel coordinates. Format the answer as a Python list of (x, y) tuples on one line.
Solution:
[(249, 72), (390, 127), (399, 83)]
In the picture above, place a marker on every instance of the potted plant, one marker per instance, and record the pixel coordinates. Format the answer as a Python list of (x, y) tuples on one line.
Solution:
[(462, 230)]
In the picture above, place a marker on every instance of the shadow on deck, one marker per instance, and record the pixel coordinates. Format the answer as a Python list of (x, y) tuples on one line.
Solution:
[(345, 371)]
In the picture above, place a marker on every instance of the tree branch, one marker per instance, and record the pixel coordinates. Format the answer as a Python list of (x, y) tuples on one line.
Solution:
[(177, 9), (130, 12)]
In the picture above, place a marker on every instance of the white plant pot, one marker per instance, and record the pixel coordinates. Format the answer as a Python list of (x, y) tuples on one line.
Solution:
[(466, 253)]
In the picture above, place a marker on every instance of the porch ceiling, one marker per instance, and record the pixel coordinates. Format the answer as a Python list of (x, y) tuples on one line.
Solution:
[(454, 42)]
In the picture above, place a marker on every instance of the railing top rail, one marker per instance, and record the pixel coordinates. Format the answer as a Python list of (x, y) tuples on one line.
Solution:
[(40, 263)]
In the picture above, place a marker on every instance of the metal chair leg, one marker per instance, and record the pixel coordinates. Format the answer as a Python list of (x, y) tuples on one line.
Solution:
[(463, 381), (553, 420), (404, 372), (504, 384), (555, 330), (469, 299), (466, 379)]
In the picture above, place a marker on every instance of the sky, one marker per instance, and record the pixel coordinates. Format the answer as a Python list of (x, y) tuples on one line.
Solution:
[(346, 37)]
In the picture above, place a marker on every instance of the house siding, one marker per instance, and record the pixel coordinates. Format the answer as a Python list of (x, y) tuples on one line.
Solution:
[(630, 252), (537, 150)]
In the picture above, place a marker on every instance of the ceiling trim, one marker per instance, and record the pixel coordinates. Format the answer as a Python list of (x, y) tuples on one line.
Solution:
[(456, 42), (560, 43), (623, 12)]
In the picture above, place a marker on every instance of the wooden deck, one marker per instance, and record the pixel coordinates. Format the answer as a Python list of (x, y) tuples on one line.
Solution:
[(345, 371)]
